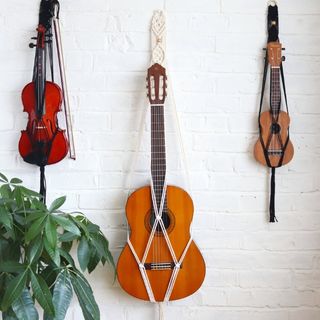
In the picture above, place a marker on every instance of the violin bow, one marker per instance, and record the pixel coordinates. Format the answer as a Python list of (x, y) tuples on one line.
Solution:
[(63, 79)]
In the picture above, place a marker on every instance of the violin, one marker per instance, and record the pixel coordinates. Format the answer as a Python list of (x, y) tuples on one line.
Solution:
[(43, 142)]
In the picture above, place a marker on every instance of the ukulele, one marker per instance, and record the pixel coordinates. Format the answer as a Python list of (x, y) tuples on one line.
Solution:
[(147, 268), (274, 147), (43, 142)]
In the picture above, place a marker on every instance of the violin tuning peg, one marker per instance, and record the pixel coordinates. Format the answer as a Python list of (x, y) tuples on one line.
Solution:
[(33, 38), (32, 45)]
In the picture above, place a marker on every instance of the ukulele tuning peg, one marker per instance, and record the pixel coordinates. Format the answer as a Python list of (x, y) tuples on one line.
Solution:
[(283, 49), (283, 58), (32, 45), (264, 49)]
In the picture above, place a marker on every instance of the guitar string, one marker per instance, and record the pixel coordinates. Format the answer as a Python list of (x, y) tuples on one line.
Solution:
[(159, 165)]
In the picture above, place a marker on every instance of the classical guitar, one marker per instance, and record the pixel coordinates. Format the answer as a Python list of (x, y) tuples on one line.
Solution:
[(160, 261), (274, 147)]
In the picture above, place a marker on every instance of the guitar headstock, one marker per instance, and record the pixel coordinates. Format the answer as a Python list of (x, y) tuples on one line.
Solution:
[(274, 53), (157, 84)]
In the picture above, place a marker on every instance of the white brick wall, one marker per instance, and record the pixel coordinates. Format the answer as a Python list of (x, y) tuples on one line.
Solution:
[(255, 271)]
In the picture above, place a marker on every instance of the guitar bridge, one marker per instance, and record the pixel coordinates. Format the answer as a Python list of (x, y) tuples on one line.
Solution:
[(274, 152), (160, 266)]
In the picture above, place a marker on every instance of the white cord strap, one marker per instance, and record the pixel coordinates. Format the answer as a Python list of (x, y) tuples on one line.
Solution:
[(158, 56)]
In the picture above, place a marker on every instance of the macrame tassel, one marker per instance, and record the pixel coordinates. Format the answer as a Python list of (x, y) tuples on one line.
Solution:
[(43, 190), (272, 196), (160, 311)]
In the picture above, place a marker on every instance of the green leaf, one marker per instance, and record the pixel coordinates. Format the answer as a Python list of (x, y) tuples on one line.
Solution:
[(12, 267), (67, 224), (5, 218), (98, 245), (24, 307), (9, 315), (18, 196), (51, 232), (52, 252), (68, 236), (3, 178), (35, 215), (57, 203), (84, 253), (105, 244), (5, 191), (67, 246), (36, 228), (94, 260), (62, 295), (85, 296), (37, 204), (14, 290), (42, 293), (15, 181), (80, 224), (49, 274), (93, 228), (29, 193), (35, 249), (67, 257)]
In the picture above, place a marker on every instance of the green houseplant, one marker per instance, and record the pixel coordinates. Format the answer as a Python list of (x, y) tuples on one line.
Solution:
[(35, 260)]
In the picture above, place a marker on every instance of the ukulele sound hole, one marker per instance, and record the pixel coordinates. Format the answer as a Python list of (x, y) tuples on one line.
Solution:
[(167, 218), (275, 128)]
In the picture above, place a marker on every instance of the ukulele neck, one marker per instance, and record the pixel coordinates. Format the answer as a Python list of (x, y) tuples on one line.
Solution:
[(158, 150), (275, 91)]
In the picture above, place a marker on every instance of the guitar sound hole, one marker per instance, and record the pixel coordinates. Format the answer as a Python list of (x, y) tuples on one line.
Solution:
[(275, 128), (167, 218)]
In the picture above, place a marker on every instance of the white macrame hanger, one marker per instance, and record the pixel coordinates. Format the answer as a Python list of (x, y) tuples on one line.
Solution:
[(158, 37)]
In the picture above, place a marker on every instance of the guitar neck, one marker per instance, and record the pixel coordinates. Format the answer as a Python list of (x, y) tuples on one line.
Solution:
[(158, 150), (275, 91)]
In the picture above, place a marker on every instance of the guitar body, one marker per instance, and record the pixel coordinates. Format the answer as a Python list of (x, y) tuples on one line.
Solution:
[(276, 140), (192, 272)]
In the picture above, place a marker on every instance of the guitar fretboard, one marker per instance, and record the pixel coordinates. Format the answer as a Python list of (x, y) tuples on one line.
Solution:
[(158, 150), (275, 91)]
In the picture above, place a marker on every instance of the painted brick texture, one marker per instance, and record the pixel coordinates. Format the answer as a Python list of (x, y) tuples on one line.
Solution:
[(255, 270)]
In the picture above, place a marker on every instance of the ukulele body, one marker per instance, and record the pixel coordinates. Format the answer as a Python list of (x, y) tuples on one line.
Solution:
[(266, 123), (192, 272), (43, 136)]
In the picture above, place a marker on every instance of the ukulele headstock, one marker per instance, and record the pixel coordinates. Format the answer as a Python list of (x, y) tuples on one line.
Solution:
[(157, 84), (274, 53)]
